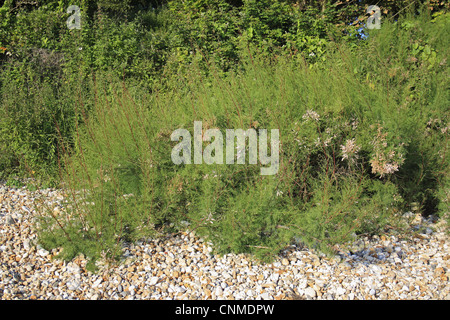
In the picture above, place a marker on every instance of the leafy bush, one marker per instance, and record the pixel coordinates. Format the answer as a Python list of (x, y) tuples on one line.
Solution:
[(363, 119), (356, 150)]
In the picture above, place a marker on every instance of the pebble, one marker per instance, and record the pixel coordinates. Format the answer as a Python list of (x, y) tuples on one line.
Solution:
[(153, 281), (183, 266), (310, 293)]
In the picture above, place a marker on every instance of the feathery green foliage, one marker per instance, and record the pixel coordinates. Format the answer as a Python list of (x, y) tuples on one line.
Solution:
[(363, 122)]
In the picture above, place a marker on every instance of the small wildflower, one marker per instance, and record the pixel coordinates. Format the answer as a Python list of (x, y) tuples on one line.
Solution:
[(350, 150), (317, 142), (210, 218), (327, 141), (385, 161), (390, 167), (310, 114)]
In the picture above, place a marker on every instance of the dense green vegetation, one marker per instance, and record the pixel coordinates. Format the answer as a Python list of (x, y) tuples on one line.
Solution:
[(363, 116)]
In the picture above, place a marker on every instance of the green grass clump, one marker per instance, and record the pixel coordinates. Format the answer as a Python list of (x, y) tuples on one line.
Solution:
[(363, 135)]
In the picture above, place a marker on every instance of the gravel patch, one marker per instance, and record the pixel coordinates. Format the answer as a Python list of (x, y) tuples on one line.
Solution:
[(182, 266)]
